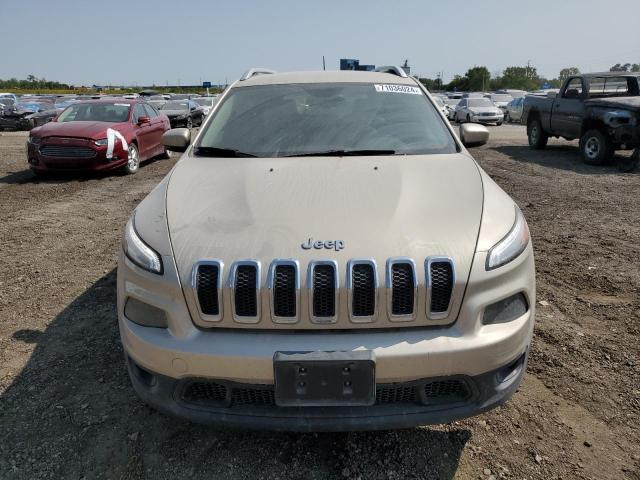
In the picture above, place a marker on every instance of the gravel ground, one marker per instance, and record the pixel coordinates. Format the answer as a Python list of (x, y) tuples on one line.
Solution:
[(67, 409)]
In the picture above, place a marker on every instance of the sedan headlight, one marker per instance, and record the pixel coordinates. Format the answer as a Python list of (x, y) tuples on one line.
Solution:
[(34, 140), (139, 252), (512, 245), (102, 142)]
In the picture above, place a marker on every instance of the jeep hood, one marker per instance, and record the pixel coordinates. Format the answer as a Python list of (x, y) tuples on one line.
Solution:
[(379, 207)]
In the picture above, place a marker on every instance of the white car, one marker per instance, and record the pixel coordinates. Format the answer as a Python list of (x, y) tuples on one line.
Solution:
[(478, 110), (206, 103), (500, 100), (452, 103), (442, 106)]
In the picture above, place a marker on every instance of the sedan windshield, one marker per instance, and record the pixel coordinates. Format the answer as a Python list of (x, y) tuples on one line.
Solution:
[(501, 98), (204, 101), (480, 102), (96, 112), (331, 118), (175, 106)]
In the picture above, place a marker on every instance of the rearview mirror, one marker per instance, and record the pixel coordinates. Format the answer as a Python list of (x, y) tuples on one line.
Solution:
[(473, 135), (177, 139)]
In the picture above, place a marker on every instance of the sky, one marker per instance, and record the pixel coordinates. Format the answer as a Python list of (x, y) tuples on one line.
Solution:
[(140, 42)]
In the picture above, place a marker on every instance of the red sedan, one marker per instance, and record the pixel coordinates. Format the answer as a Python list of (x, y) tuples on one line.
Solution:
[(98, 135)]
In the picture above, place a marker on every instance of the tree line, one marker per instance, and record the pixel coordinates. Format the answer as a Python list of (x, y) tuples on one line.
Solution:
[(479, 79)]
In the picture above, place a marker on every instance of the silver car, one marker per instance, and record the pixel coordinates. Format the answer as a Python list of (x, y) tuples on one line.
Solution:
[(478, 110), (514, 110), (326, 255)]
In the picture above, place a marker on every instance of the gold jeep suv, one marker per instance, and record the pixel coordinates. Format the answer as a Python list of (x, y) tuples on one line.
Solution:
[(326, 255)]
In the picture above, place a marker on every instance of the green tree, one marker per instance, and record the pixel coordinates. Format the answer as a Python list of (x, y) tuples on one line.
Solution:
[(520, 78), (568, 72), (478, 79)]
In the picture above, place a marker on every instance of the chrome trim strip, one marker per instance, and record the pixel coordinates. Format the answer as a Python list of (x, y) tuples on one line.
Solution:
[(194, 287), (427, 273), (349, 286), (232, 290), (270, 284), (389, 287), (392, 69), (310, 288)]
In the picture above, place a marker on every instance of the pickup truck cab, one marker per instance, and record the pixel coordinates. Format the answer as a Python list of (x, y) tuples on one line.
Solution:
[(602, 110)]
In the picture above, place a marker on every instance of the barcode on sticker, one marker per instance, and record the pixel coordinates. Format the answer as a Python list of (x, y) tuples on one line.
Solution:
[(398, 89)]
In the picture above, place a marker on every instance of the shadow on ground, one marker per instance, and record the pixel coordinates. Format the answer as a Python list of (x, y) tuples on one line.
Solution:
[(71, 413), (563, 157)]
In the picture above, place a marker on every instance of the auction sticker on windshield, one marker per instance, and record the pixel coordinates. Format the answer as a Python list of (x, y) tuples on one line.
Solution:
[(398, 89)]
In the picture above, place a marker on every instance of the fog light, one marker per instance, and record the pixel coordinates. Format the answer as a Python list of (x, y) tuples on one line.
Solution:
[(506, 310), (144, 314)]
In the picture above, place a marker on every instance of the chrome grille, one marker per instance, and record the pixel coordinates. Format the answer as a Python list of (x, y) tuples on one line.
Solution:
[(67, 151), (401, 285), (362, 285), (324, 291), (207, 282), (284, 291)]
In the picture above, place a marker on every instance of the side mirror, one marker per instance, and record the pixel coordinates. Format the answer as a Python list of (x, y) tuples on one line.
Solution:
[(143, 120), (571, 93), (473, 135), (177, 139)]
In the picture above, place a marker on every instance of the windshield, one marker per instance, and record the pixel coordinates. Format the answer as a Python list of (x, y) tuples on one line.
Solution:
[(96, 112), (480, 102), (298, 119), (204, 102), (501, 98), (175, 106)]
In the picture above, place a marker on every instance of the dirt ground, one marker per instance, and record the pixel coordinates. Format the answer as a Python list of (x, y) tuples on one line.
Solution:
[(67, 409)]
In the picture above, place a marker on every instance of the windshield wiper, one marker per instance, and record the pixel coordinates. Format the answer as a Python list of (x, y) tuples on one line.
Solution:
[(344, 153), (220, 152)]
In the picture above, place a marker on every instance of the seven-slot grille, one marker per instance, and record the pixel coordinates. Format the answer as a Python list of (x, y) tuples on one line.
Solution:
[(67, 151), (322, 285)]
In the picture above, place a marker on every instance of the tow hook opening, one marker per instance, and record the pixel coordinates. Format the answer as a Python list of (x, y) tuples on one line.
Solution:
[(511, 370), (145, 377)]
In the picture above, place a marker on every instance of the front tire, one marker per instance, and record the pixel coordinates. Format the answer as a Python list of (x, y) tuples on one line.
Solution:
[(538, 138), (595, 147), (133, 160)]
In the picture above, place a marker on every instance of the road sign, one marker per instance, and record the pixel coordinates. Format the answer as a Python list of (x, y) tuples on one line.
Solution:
[(546, 86), (206, 84)]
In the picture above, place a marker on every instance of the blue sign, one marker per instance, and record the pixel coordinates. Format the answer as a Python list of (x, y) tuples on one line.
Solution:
[(546, 86), (206, 84)]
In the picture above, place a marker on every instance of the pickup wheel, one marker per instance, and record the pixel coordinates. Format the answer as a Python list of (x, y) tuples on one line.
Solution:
[(538, 138), (595, 147)]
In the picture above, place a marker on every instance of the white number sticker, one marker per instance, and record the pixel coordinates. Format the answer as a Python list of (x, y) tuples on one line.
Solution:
[(398, 89)]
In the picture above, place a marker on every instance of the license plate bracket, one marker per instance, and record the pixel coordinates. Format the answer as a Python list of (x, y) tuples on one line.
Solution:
[(324, 379)]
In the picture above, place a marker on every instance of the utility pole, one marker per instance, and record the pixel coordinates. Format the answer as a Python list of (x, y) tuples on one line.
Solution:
[(324, 66)]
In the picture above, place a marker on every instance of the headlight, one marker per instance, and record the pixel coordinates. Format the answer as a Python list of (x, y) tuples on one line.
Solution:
[(34, 140), (102, 142), (139, 252), (512, 245)]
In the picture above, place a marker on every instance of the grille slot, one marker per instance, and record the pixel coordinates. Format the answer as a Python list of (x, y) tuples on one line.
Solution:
[(403, 286), (440, 274), (324, 291), (245, 290), (205, 393), (253, 396), (396, 394), (61, 151), (207, 288), (284, 291), (363, 290)]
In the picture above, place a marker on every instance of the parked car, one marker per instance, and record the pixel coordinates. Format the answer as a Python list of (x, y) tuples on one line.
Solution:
[(514, 110), (16, 116), (98, 135), (600, 109), (442, 106), (40, 118), (183, 113), (452, 103), (478, 110), (500, 100), (326, 256), (206, 103)]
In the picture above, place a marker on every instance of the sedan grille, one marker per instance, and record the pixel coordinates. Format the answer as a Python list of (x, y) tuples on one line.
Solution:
[(61, 151)]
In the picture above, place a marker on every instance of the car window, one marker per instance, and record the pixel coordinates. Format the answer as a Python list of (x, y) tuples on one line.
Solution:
[(574, 85), (138, 111), (151, 112), (480, 102), (96, 112), (608, 86), (295, 119)]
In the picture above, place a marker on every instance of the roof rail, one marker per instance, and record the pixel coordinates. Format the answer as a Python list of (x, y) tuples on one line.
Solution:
[(392, 69), (252, 72)]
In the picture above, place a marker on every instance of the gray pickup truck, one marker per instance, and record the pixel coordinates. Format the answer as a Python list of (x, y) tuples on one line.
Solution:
[(600, 109)]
